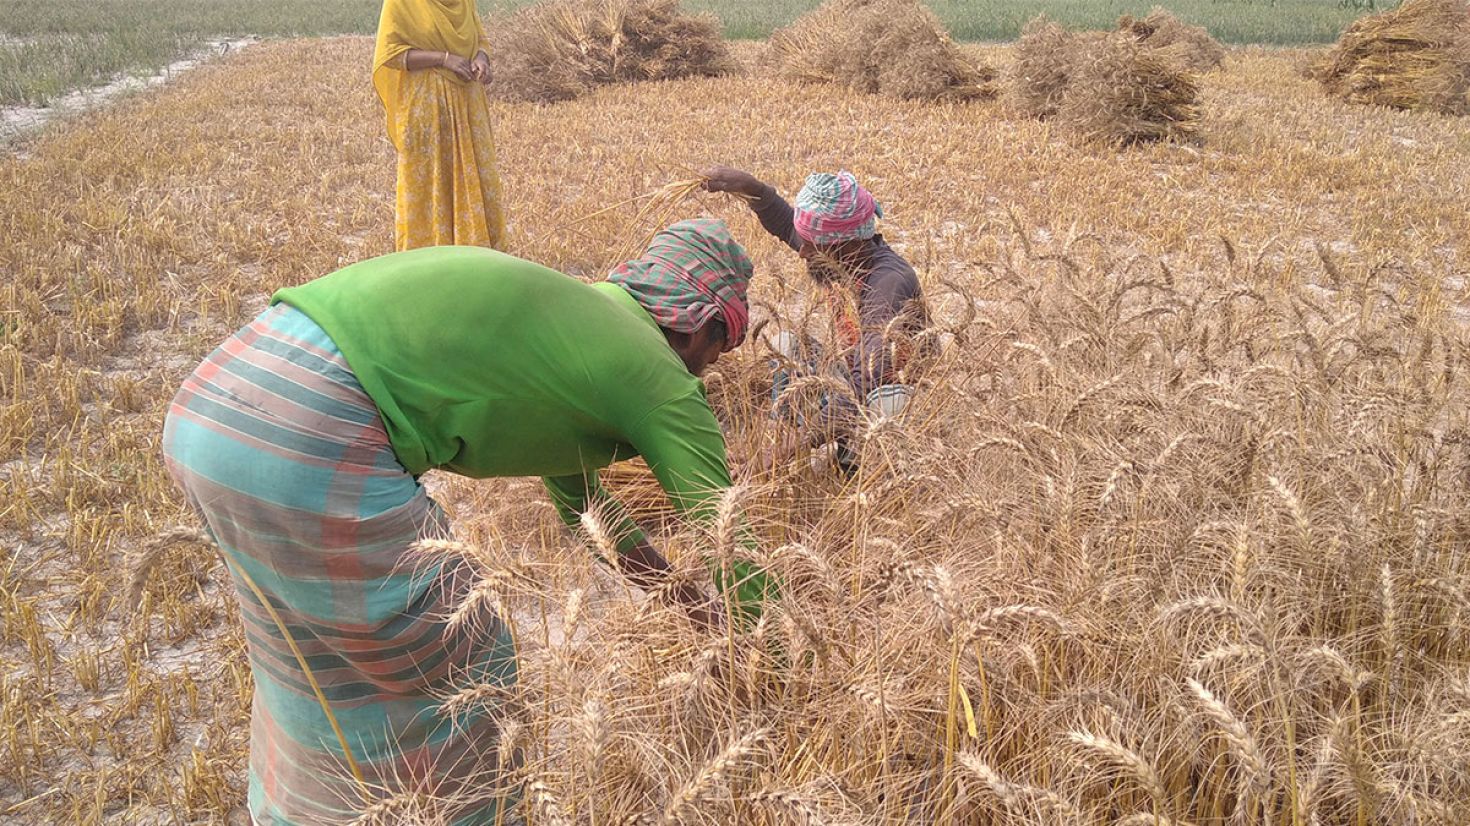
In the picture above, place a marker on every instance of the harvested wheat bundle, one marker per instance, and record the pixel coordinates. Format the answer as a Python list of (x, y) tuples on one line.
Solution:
[(1046, 57), (1415, 57), (562, 49), (1123, 92), (1192, 46), (1123, 86), (890, 47)]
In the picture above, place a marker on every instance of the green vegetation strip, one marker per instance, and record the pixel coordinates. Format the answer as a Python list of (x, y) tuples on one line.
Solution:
[(1273, 22), (50, 47)]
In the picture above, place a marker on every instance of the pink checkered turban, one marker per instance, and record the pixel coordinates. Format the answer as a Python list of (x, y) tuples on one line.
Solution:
[(831, 209)]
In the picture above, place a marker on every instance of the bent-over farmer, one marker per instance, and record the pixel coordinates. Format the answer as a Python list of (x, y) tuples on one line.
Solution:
[(301, 439), (869, 288)]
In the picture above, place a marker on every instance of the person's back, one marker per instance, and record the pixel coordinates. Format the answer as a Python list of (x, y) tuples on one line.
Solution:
[(489, 365)]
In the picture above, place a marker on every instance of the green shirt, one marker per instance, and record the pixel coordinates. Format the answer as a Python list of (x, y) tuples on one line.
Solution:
[(484, 364)]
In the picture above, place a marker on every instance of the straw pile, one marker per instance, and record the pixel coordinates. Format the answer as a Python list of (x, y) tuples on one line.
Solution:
[(1415, 57), (1124, 92), (1046, 57), (1192, 46), (891, 47), (562, 49), (1112, 87)]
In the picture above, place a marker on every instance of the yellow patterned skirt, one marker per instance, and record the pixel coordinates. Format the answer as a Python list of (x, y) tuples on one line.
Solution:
[(448, 190)]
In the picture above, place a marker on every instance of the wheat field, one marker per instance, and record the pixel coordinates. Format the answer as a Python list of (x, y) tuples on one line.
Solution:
[(1175, 532)]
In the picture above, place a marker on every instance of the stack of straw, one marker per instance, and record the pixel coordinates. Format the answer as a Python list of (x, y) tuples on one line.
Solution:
[(1125, 92), (1112, 87), (1046, 58), (562, 49), (1191, 46), (1415, 57), (891, 47)]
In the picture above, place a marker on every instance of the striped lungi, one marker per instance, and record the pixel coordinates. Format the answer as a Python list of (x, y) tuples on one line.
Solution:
[(275, 443)]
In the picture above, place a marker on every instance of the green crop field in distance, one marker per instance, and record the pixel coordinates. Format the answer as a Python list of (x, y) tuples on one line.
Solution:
[(50, 47), (1276, 22)]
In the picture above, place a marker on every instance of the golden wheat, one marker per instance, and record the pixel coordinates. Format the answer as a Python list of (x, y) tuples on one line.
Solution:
[(1289, 293)]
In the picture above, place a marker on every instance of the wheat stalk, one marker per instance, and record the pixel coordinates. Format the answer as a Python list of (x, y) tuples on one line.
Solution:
[(1242, 745), (1119, 755), (713, 773)]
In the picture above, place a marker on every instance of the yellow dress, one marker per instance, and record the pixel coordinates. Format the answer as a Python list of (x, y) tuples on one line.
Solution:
[(448, 189)]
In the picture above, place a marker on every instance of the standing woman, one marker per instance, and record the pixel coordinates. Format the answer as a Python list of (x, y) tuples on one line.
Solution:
[(429, 68)]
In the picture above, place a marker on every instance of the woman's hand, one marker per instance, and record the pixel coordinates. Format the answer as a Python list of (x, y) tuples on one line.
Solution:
[(480, 67), (461, 67)]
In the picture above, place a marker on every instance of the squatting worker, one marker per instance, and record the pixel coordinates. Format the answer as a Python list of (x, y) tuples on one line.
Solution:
[(301, 438), (868, 287), (430, 69)]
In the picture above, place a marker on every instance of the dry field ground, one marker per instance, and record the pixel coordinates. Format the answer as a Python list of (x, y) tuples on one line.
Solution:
[(1176, 533)]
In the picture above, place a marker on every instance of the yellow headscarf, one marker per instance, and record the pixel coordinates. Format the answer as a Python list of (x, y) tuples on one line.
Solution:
[(436, 25)]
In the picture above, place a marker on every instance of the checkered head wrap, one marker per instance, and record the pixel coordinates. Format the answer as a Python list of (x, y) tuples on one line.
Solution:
[(831, 209), (692, 271)]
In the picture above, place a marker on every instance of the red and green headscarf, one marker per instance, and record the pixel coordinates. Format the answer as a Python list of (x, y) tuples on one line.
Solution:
[(691, 272)]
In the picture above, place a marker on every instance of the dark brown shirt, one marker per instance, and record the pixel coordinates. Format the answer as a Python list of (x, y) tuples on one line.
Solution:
[(887, 288)]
